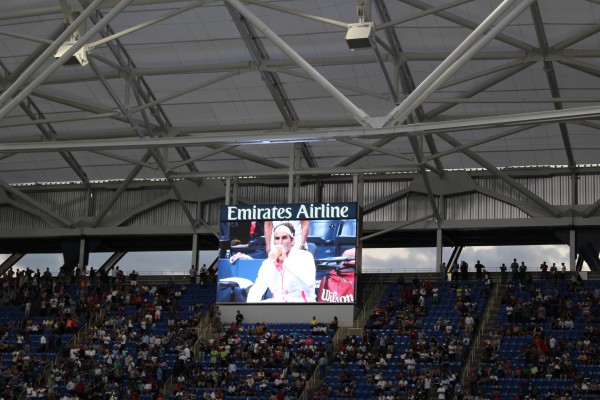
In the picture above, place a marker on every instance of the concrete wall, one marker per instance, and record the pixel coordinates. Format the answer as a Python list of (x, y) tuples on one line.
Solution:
[(289, 312)]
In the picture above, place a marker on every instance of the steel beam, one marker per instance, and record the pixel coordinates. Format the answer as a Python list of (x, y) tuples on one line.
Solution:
[(503, 176), (551, 78), (480, 37), (469, 24), (362, 117), (8, 105), (277, 136)]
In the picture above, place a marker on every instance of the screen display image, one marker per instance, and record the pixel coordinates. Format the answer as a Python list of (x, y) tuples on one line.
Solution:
[(288, 253)]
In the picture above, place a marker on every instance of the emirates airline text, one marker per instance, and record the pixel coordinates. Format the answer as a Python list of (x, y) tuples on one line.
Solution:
[(290, 212)]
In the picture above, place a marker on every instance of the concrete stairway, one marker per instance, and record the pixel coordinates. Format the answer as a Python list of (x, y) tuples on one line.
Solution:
[(485, 327), (372, 291)]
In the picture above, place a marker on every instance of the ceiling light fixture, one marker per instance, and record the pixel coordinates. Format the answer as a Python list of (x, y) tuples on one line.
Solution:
[(80, 56), (360, 35)]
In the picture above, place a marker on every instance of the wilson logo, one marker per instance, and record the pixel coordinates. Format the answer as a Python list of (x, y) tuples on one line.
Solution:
[(328, 296)]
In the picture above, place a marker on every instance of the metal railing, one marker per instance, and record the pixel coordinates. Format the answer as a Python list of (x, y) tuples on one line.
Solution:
[(369, 303), (481, 329)]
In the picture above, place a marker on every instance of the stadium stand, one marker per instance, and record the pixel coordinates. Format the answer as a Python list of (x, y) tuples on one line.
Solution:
[(545, 342), (80, 337), (413, 344), (63, 338)]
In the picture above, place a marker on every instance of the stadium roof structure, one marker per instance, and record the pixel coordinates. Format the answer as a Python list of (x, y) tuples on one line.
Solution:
[(107, 91), (190, 89)]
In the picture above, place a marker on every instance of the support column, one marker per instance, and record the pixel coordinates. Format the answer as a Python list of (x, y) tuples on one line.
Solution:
[(293, 193), (10, 261), (439, 251), (195, 253), (572, 233), (82, 258), (360, 190), (224, 236), (234, 191), (297, 166), (572, 249), (290, 191), (228, 191)]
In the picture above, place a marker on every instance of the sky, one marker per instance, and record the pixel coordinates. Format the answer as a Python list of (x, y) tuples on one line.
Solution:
[(401, 260), (492, 257)]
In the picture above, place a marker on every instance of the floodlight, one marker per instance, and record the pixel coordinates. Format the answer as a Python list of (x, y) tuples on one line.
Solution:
[(80, 56), (360, 35)]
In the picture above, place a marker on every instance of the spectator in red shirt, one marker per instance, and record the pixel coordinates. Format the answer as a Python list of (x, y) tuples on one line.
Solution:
[(80, 390)]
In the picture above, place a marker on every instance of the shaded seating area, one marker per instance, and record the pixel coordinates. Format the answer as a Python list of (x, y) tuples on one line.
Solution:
[(53, 343), (254, 361), (546, 342), (135, 349), (413, 344), (39, 315)]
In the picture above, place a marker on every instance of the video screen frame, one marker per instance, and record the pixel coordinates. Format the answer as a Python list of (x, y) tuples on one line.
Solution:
[(319, 267)]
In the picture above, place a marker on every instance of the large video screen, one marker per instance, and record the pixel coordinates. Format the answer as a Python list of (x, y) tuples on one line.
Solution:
[(288, 253)]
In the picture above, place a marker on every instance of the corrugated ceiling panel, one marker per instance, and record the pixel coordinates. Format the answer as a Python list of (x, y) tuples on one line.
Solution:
[(262, 194), (211, 212), (588, 189), (479, 206), (395, 211), (499, 186), (374, 191), (17, 219), (419, 206), (337, 192), (129, 200), (170, 214), (309, 194), (71, 204), (556, 190)]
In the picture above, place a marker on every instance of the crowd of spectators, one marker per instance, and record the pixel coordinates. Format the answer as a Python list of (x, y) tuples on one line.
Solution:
[(40, 313), (413, 344), (143, 337), (548, 330), (256, 360), (406, 351)]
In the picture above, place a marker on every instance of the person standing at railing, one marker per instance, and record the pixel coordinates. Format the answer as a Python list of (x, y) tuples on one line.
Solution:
[(133, 276), (514, 268), (544, 269), (203, 275), (522, 271), (239, 318), (479, 270), (464, 270), (192, 273), (503, 270)]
